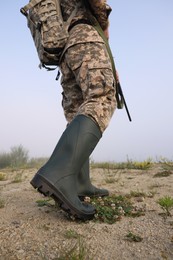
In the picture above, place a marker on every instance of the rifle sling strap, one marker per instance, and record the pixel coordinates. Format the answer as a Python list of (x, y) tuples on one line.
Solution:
[(96, 25)]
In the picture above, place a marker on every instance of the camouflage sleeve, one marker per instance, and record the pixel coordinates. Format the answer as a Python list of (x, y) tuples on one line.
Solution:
[(101, 11)]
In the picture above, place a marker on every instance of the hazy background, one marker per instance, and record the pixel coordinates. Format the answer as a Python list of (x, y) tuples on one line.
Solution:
[(141, 37)]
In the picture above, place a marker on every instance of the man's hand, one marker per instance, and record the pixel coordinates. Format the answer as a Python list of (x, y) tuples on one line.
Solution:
[(117, 76), (106, 33)]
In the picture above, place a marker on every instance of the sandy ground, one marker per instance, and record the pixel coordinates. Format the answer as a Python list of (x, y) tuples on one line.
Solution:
[(31, 232)]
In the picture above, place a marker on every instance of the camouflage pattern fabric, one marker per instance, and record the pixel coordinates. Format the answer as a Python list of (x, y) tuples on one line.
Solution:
[(87, 78), (100, 9), (81, 34)]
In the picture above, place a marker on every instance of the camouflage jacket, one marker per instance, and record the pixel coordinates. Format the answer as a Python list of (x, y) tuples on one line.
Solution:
[(84, 32)]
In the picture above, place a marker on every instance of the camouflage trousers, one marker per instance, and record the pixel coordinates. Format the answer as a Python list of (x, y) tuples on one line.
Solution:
[(88, 83)]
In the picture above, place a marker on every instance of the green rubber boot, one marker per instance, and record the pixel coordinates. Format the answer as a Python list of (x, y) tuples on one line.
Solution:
[(85, 187), (58, 177)]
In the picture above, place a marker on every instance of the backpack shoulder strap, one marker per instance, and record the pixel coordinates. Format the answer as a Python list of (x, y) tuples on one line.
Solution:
[(73, 13)]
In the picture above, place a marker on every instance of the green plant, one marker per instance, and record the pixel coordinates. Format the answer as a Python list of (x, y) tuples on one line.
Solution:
[(45, 202), (165, 173), (2, 203), (78, 251), (19, 156), (37, 162), (45, 227), (111, 209), (155, 185), (166, 204), (17, 178), (110, 180), (166, 164), (2, 176), (71, 234), (145, 165), (133, 238), (5, 160), (137, 194), (103, 165)]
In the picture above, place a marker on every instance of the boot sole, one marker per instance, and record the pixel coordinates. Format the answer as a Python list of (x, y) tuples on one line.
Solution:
[(47, 189)]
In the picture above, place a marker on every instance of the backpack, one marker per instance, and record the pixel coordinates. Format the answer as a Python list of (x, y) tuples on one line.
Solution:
[(48, 29)]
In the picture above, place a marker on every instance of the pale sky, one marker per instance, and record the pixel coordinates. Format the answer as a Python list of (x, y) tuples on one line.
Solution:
[(141, 38)]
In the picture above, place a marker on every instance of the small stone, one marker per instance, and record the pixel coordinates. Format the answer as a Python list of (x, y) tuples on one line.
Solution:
[(140, 199)]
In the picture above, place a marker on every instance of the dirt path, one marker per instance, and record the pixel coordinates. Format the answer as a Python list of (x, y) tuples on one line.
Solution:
[(31, 232)]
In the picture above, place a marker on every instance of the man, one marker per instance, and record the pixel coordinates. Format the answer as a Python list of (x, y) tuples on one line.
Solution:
[(88, 102)]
